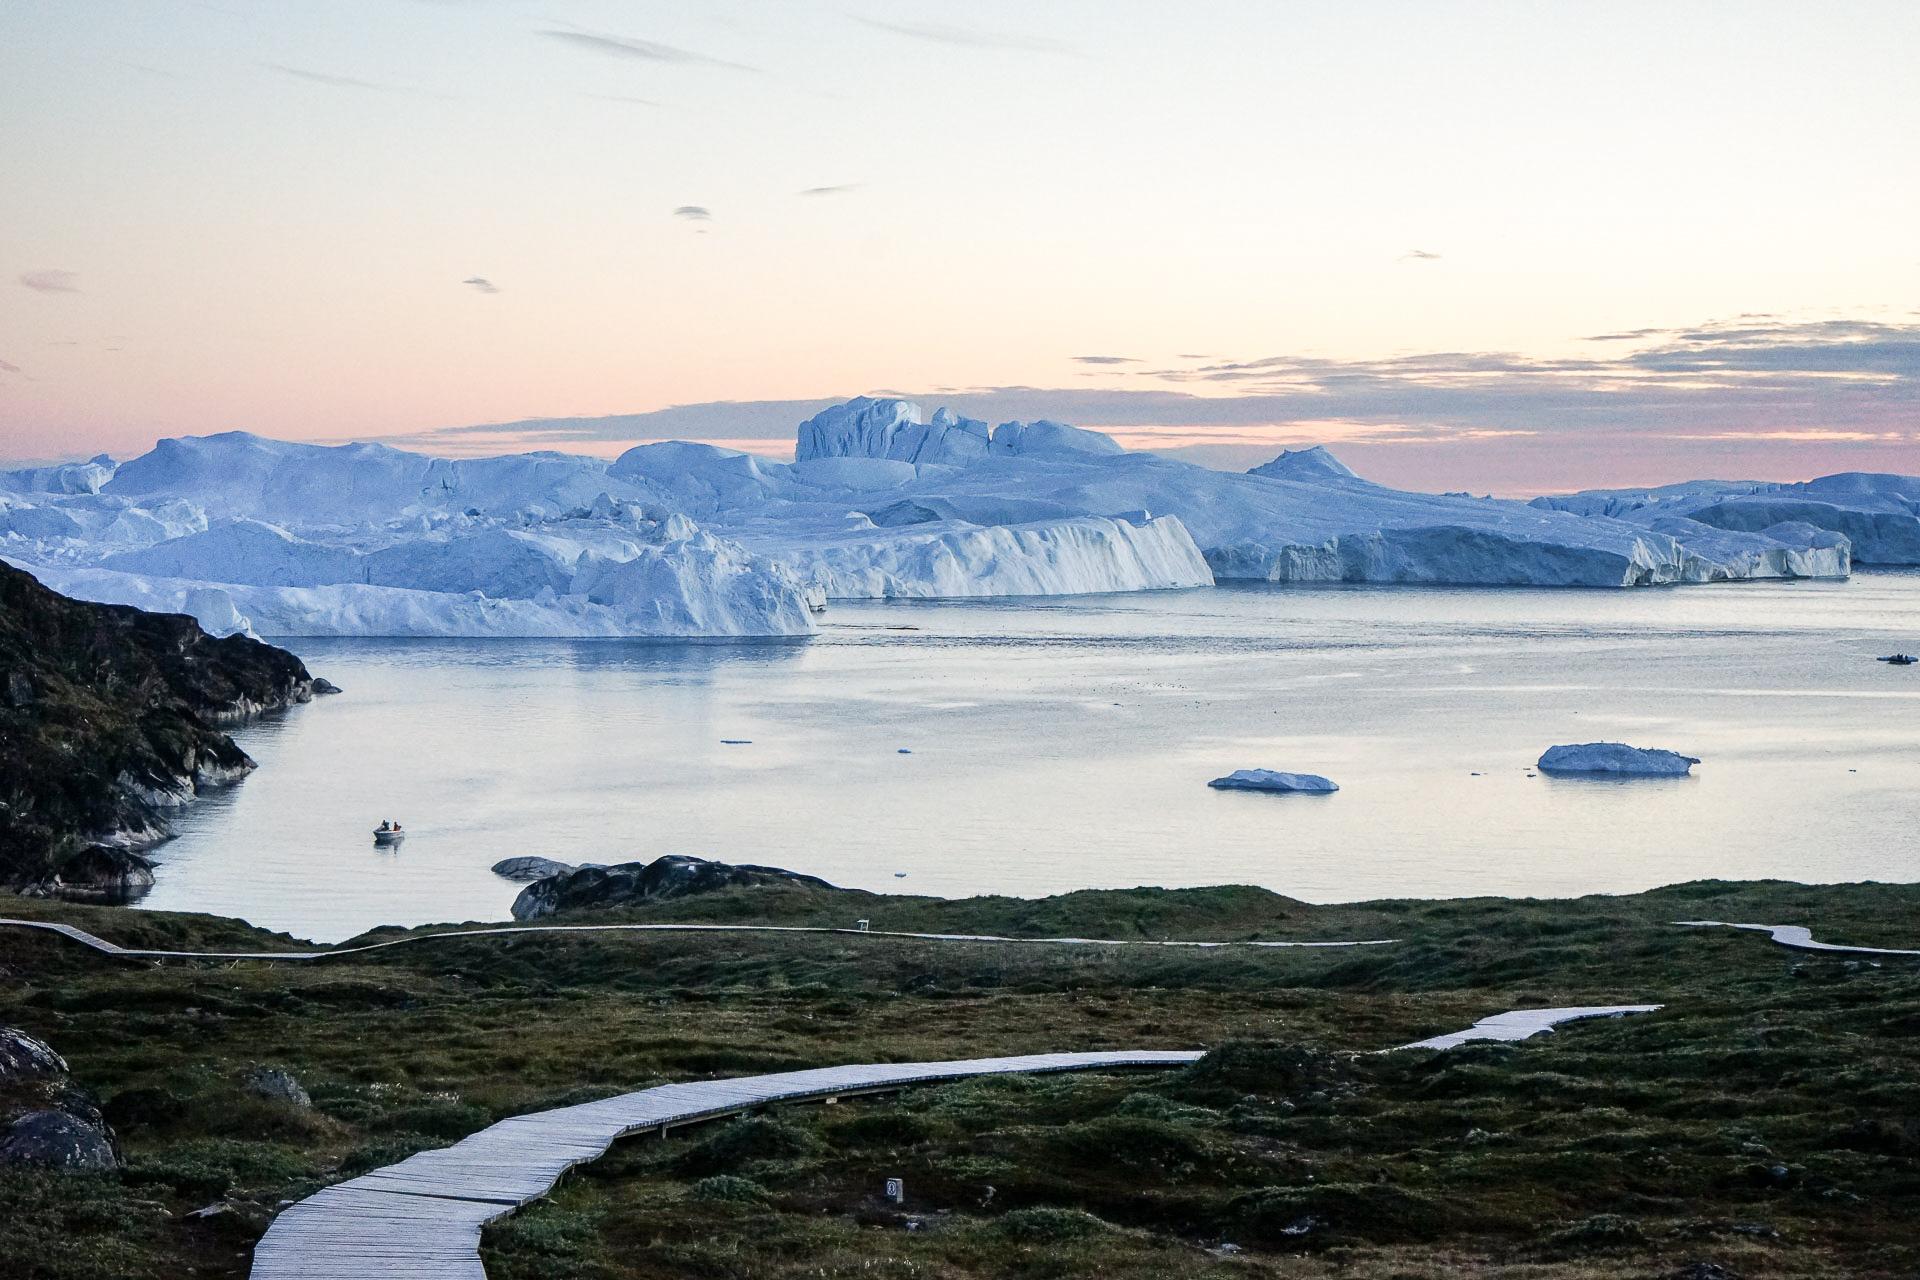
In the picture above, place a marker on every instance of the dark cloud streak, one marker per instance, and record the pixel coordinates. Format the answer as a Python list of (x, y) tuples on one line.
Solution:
[(1754, 379), (613, 46), (968, 37), (333, 81), (51, 280)]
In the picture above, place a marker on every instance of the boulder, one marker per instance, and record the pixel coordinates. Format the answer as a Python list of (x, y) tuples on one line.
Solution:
[(528, 869), (281, 1086), (323, 686), (1274, 780), (53, 1139), (25, 1057), (105, 873), (633, 883), (1616, 759)]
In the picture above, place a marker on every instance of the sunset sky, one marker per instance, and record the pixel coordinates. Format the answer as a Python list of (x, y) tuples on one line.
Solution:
[(1493, 246)]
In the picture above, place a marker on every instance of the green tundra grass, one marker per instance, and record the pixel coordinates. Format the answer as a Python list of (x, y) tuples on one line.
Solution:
[(1766, 1123)]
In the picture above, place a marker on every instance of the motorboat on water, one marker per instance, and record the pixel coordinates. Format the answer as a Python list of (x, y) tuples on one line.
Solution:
[(387, 835), (1901, 659)]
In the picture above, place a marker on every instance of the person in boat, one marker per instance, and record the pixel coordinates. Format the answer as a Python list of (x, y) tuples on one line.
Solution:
[(385, 825)]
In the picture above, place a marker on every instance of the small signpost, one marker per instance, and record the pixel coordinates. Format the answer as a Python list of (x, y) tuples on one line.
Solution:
[(862, 924), (896, 1191)]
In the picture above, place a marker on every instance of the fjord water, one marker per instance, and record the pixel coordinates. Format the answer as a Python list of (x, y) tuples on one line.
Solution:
[(1066, 743)]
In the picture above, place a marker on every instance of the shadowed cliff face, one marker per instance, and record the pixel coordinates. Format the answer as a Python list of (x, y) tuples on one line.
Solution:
[(109, 721)]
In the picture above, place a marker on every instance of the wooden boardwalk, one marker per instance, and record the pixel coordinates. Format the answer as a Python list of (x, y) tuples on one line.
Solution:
[(421, 1219), (104, 947), (1796, 936), (1518, 1024)]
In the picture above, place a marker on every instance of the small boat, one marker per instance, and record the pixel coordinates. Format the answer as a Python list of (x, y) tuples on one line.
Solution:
[(387, 837), (1901, 659)]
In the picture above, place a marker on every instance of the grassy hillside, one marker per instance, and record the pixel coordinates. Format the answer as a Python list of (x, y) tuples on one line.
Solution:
[(1626, 1148)]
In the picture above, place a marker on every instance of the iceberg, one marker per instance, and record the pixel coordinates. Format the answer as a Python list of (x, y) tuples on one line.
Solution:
[(64, 477), (882, 500), (1878, 514), (1304, 517), (1616, 758), (1274, 780), (950, 558)]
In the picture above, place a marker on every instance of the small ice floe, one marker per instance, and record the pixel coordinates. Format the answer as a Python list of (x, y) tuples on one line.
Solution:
[(1616, 758), (1274, 780)]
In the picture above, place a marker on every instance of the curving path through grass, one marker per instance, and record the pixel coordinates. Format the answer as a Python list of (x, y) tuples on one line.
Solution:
[(1796, 936), (104, 947), (1518, 1024), (423, 1217)]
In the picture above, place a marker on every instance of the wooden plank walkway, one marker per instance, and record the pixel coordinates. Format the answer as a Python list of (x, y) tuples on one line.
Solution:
[(104, 947), (421, 1219), (1799, 937), (1518, 1024)]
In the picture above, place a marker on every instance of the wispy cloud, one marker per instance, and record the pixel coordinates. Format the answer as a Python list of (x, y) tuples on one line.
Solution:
[(694, 213), (840, 190), (1106, 359), (646, 50), (1419, 255), (51, 281), (5, 367), (969, 37), (332, 81), (481, 284)]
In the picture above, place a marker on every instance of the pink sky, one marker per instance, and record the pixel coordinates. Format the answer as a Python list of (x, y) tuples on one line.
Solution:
[(1469, 244)]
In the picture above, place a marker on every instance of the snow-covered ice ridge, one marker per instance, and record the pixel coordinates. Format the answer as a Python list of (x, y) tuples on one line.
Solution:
[(1301, 518), (1878, 514), (684, 539)]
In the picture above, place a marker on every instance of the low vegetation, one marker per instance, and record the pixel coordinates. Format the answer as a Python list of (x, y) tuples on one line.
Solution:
[(1767, 1124)]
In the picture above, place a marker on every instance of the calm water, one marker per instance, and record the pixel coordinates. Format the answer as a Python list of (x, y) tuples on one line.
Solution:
[(1067, 744)]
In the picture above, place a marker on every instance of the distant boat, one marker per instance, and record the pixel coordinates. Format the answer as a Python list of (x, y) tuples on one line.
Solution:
[(1901, 659), (387, 837)]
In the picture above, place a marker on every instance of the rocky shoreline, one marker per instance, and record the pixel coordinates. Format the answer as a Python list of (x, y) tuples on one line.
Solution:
[(112, 720)]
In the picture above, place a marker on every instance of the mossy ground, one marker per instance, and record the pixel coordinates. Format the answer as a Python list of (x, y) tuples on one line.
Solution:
[(1767, 1122)]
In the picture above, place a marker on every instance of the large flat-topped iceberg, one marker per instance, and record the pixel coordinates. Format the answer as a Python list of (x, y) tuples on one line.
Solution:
[(1302, 518), (1878, 514)]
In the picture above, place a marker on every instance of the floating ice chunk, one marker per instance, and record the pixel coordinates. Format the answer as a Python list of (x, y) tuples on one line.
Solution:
[(1616, 758), (1274, 780)]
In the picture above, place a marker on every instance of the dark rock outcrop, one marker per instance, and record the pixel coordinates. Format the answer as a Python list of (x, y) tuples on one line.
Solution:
[(25, 1057), (278, 1085), (98, 873), (629, 884), (110, 720), (54, 1139), (45, 1122), (528, 869)]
